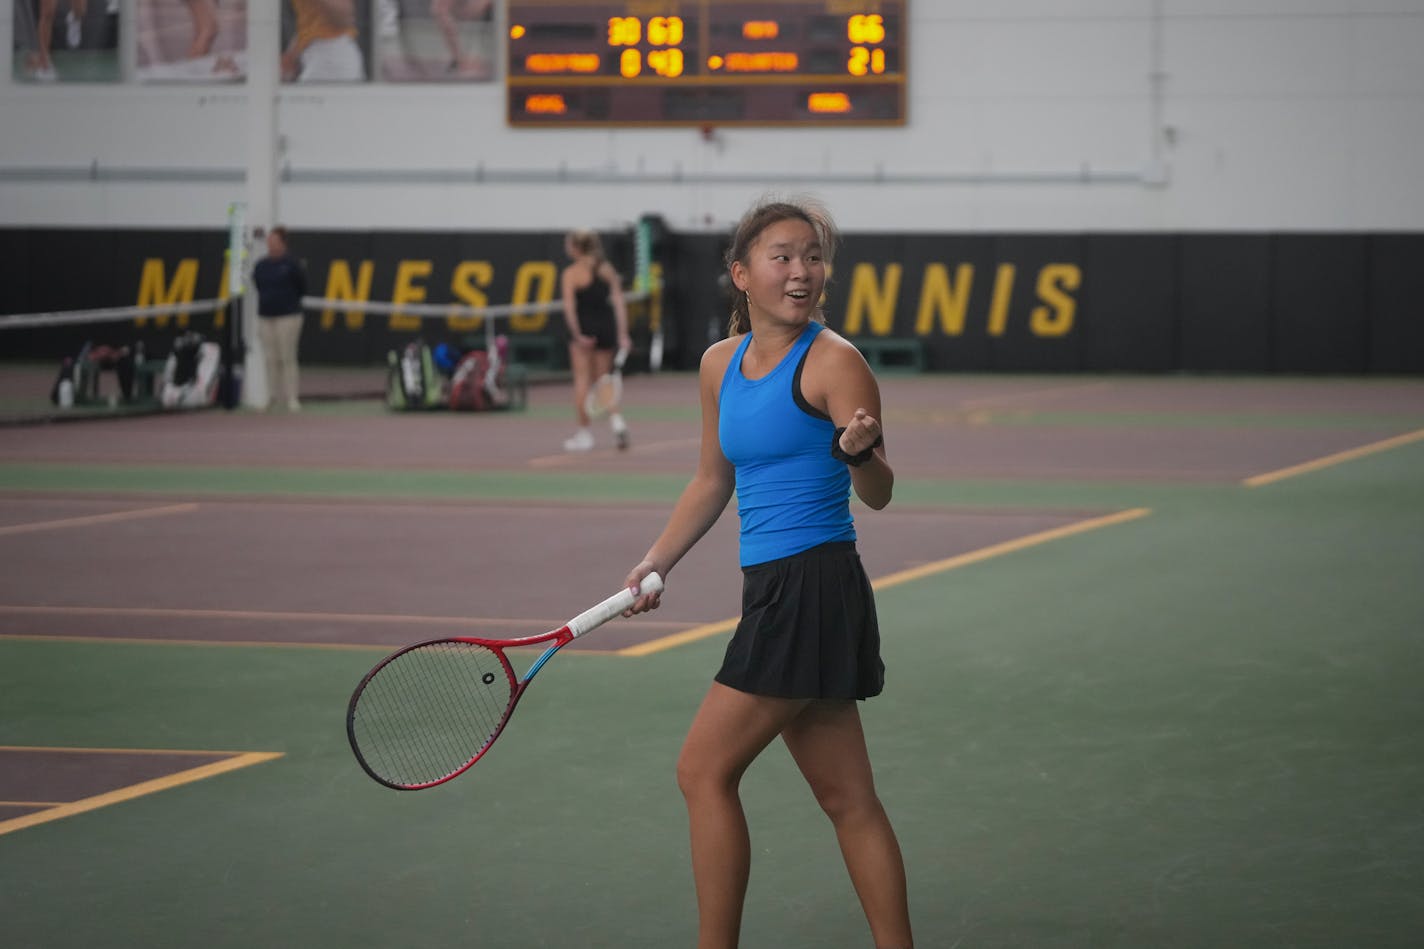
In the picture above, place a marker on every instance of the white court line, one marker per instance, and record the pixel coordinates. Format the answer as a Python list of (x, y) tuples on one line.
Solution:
[(565, 458), (1031, 394), (89, 520), (389, 619)]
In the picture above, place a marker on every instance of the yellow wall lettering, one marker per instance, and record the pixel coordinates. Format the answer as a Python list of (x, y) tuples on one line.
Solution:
[(155, 290), (407, 291), (220, 317), (1003, 295), (654, 303), (469, 277), (868, 297), (949, 300), (1055, 317), (534, 282), (339, 286)]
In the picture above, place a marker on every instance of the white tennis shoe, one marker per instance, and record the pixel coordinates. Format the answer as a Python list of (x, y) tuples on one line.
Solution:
[(581, 440)]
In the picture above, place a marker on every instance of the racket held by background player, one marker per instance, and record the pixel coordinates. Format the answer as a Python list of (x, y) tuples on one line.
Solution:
[(427, 712), (606, 394)]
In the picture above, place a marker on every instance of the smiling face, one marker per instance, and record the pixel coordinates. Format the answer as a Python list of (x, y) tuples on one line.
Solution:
[(783, 274)]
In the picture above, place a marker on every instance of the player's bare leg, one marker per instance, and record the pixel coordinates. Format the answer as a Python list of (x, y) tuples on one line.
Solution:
[(205, 27), (730, 730), (581, 362), (443, 12), (828, 744), (40, 64), (74, 23)]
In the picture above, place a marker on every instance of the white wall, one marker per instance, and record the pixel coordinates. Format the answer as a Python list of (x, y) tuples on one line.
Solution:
[(1024, 115)]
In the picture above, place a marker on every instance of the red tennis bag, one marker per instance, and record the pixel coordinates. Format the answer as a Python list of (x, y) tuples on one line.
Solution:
[(477, 384)]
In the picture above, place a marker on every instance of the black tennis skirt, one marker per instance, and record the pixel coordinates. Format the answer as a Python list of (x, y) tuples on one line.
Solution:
[(808, 628), (603, 327)]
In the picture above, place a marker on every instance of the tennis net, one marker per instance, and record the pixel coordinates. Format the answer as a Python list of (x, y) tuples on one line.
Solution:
[(120, 355), (361, 333)]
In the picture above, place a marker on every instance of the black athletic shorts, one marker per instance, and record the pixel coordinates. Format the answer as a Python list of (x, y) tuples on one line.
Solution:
[(808, 628)]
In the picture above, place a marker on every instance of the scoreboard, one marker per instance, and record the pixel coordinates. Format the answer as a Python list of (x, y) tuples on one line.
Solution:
[(705, 63)]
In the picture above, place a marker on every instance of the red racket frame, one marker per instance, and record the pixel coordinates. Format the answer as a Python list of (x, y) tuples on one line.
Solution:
[(585, 622)]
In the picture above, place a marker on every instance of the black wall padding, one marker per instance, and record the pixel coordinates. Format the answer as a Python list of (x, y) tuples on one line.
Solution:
[(1059, 302), (1132, 321), (1396, 303), (1224, 311), (1319, 303)]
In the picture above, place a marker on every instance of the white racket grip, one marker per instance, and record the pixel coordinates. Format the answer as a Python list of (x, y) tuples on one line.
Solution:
[(591, 619)]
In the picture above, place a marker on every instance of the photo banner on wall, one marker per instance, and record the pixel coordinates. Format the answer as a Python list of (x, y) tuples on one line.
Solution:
[(325, 40), (434, 40), (65, 41), (191, 40)]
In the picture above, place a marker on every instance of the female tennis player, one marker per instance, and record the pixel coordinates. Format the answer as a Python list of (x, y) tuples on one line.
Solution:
[(597, 318), (791, 422)]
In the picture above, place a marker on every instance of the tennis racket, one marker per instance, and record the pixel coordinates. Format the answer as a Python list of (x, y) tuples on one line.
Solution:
[(605, 394), (427, 712)]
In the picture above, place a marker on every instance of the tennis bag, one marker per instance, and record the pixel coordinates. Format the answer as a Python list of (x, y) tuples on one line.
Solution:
[(62, 392), (412, 384), (477, 384), (192, 373)]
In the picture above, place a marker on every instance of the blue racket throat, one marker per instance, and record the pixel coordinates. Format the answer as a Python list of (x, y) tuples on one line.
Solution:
[(539, 663)]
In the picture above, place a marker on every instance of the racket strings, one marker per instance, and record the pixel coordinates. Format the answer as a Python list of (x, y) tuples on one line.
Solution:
[(430, 711), (604, 395)]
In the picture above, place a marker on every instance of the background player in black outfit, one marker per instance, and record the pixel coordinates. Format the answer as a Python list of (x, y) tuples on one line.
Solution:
[(597, 318)]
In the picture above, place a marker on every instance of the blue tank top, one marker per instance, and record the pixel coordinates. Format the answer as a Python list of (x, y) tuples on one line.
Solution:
[(791, 494)]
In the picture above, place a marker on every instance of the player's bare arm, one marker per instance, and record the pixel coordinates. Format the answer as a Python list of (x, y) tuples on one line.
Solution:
[(706, 495), (838, 380)]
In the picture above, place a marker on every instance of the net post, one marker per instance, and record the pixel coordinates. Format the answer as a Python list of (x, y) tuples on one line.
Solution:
[(651, 231), (230, 388)]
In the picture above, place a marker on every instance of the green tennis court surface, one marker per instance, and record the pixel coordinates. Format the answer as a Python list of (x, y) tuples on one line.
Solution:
[(1194, 726)]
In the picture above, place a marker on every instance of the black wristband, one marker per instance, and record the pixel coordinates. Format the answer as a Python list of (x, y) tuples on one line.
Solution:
[(859, 458)]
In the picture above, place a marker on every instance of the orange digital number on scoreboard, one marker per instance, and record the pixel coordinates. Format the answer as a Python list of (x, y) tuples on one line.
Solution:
[(546, 105), (556, 63), (822, 102)]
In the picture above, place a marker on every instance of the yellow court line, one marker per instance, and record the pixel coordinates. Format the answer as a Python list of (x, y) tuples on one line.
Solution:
[(91, 519), (1271, 477), (110, 750), (242, 760), (1009, 546), (905, 576)]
